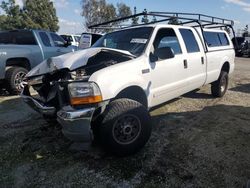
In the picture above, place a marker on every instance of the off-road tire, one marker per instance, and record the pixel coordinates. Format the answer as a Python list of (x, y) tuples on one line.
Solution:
[(11, 77), (118, 114), (219, 87)]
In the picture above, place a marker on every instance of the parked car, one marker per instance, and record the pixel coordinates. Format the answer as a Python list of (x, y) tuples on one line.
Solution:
[(88, 39), (243, 46), (73, 39), (107, 90), (21, 50)]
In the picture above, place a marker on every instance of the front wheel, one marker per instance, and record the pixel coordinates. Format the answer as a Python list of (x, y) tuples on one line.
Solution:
[(14, 77), (220, 86), (125, 128)]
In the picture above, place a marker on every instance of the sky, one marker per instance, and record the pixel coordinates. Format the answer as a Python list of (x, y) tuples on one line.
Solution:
[(71, 21)]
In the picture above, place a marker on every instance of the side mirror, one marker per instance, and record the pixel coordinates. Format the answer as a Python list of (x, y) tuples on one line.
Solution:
[(153, 57), (164, 53)]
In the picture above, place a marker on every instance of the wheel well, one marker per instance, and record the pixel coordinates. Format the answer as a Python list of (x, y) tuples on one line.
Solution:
[(20, 62), (135, 93), (226, 67)]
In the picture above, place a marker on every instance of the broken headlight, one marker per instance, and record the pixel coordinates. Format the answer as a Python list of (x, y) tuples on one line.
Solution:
[(78, 74), (84, 93)]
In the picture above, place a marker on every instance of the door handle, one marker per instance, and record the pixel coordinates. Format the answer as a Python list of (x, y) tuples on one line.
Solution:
[(185, 64), (202, 60)]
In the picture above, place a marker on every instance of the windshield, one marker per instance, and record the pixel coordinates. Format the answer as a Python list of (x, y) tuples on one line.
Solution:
[(132, 40)]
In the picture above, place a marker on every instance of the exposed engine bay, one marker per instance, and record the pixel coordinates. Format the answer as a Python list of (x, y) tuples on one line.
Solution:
[(104, 59), (52, 87)]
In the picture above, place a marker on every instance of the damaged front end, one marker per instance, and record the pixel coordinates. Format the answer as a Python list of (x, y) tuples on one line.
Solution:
[(62, 89)]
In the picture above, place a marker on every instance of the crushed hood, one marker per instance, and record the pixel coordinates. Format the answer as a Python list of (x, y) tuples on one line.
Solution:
[(69, 61)]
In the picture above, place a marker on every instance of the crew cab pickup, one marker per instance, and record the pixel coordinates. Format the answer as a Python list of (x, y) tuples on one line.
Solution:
[(21, 50), (106, 91)]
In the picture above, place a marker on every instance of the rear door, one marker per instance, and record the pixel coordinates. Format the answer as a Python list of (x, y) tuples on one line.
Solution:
[(194, 62)]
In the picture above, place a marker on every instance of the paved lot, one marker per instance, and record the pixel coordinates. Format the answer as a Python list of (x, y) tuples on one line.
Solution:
[(197, 141)]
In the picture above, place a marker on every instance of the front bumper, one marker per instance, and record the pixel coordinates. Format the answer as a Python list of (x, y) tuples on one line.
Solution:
[(37, 106), (76, 124)]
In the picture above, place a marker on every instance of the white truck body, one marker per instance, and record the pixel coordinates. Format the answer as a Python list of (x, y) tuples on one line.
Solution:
[(172, 60)]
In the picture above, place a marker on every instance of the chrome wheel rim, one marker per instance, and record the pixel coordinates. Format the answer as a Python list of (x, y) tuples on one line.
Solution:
[(18, 80), (126, 129)]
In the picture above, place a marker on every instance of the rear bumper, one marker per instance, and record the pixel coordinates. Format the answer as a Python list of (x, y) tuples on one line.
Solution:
[(76, 124)]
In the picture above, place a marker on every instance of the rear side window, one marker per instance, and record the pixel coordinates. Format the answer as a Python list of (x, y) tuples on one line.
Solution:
[(216, 39), (189, 40), (223, 39), (45, 39), (18, 38)]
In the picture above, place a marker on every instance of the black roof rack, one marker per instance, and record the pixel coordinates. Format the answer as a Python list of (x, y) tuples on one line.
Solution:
[(198, 20), (184, 18)]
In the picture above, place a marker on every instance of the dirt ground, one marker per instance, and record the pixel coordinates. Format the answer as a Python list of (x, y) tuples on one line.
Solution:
[(197, 141)]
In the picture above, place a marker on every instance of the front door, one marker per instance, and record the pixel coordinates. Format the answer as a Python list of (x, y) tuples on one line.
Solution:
[(59, 45), (169, 77)]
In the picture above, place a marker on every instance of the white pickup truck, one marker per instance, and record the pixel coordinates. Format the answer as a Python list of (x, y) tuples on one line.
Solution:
[(106, 91)]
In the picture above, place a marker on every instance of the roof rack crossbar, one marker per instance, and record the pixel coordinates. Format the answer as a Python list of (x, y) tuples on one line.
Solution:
[(117, 20)]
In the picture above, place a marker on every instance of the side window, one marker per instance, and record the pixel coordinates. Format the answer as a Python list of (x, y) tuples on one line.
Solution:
[(167, 38), (212, 39), (223, 39), (45, 39), (189, 40), (58, 41)]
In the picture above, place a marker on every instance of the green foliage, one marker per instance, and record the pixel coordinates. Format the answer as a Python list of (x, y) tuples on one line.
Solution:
[(98, 11), (42, 13), (123, 10), (36, 14)]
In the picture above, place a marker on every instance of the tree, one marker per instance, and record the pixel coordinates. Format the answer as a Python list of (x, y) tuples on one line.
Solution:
[(99, 11), (135, 19), (36, 14), (42, 13), (13, 18), (123, 10)]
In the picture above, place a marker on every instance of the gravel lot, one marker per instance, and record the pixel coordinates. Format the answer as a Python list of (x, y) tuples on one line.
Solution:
[(197, 141)]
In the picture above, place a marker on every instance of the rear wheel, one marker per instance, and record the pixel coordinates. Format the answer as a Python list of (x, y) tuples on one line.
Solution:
[(126, 127), (14, 77), (219, 87)]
